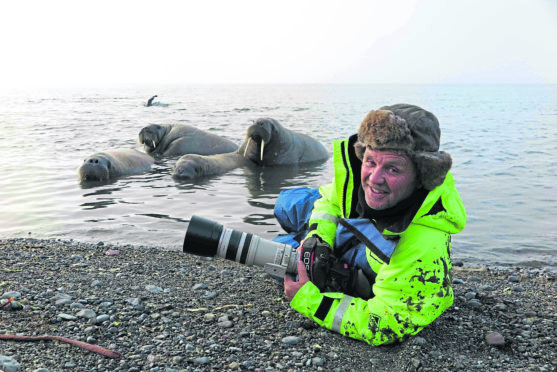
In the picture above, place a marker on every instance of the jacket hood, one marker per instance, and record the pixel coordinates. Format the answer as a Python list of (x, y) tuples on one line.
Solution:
[(443, 208)]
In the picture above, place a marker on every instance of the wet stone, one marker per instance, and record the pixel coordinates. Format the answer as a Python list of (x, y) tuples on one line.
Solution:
[(470, 295), (201, 360), (513, 279), (291, 340), (475, 304), (153, 288), (495, 338)]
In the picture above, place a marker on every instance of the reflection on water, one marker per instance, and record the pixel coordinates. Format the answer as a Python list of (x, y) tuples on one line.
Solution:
[(501, 138)]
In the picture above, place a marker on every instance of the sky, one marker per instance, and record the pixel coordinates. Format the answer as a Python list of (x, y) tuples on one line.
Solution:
[(69, 43)]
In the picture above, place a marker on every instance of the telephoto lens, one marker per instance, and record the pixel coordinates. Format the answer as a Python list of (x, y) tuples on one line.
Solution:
[(209, 239)]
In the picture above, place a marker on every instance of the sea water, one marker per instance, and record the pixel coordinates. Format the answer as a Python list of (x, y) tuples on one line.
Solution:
[(503, 140)]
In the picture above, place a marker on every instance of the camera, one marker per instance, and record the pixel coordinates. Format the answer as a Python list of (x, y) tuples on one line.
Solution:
[(210, 239)]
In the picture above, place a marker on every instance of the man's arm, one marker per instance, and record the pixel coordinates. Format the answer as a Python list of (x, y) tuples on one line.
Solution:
[(410, 292), (325, 215)]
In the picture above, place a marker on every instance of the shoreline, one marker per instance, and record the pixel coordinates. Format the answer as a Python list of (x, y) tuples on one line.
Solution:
[(168, 311)]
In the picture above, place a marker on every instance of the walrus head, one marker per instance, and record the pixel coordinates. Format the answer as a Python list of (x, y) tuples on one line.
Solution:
[(94, 168), (151, 136), (191, 166), (258, 134)]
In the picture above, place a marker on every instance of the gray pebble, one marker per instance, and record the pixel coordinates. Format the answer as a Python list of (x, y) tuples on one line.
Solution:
[(210, 295), (199, 286), (495, 338), (134, 301), (66, 317), (513, 279), (102, 318), (153, 288), (458, 281), (470, 295), (87, 314), (291, 340), (226, 324), (16, 295), (475, 279), (96, 283), (201, 360), (8, 364), (475, 303)]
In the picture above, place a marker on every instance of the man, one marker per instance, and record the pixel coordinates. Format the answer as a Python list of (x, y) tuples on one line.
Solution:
[(392, 174)]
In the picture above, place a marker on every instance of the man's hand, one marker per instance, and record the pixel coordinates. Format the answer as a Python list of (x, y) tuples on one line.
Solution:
[(291, 286)]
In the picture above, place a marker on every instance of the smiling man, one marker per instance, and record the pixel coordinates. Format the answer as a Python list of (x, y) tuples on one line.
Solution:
[(391, 175)]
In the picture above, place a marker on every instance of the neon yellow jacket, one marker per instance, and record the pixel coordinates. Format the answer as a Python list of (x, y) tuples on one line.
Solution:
[(409, 292)]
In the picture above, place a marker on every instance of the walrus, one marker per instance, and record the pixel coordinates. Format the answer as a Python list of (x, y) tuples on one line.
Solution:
[(192, 166), (180, 139), (267, 143), (110, 164)]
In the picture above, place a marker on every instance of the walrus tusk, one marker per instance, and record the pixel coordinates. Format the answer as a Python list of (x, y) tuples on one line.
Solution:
[(247, 145), (262, 146), (154, 144)]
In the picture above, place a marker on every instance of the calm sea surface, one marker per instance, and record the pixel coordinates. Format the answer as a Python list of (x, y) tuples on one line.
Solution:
[(503, 140)]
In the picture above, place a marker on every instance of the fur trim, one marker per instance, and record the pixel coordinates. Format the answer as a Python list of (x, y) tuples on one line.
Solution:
[(383, 130), (432, 167)]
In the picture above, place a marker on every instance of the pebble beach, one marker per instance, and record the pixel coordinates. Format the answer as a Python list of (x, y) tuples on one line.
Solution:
[(168, 311)]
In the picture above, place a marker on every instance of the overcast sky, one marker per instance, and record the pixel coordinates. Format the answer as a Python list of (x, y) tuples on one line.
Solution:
[(58, 43)]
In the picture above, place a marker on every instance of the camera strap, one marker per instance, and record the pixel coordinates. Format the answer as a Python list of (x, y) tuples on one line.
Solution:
[(366, 232)]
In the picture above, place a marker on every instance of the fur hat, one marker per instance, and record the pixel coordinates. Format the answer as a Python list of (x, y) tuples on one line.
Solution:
[(410, 130)]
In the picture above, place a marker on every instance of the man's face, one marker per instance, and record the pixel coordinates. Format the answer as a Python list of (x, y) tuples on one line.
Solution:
[(387, 178)]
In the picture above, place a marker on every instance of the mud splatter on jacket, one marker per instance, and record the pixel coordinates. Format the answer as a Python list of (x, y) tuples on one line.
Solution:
[(409, 292)]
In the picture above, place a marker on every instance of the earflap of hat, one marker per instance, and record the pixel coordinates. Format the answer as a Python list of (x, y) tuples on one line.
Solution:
[(432, 167)]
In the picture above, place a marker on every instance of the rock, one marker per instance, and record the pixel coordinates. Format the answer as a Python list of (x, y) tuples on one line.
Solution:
[(134, 301), (470, 295), (102, 318), (199, 286), (87, 314), (316, 361), (8, 364), (291, 340), (419, 341), (458, 281), (475, 279), (495, 338), (210, 295), (474, 303), (513, 279), (226, 324), (209, 317), (66, 317), (153, 288), (201, 360), (16, 295)]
